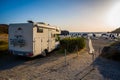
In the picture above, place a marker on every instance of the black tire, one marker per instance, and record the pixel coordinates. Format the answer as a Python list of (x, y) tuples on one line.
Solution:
[(44, 53)]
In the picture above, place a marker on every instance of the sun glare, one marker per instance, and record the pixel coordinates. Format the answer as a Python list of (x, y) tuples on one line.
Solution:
[(113, 16)]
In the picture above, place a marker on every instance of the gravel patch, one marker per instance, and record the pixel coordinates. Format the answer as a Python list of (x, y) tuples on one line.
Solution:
[(52, 67)]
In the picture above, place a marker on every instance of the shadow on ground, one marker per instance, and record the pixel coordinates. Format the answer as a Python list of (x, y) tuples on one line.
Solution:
[(110, 70), (11, 61)]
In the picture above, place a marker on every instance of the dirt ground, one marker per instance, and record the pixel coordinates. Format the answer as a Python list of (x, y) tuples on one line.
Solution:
[(54, 67)]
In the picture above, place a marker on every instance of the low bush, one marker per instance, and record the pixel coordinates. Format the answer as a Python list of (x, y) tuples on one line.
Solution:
[(117, 43), (3, 46), (70, 44), (3, 42)]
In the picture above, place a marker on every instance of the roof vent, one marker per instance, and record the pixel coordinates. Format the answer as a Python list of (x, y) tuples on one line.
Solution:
[(30, 21)]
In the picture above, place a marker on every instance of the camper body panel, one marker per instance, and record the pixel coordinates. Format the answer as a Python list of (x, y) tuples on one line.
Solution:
[(51, 39), (31, 40), (44, 39), (20, 38), (40, 40)]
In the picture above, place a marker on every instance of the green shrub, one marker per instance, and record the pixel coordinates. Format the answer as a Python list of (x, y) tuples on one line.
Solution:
[(57, 38), (3, 46), (70, 44), (115, 43), (3, 28), (3, 42)]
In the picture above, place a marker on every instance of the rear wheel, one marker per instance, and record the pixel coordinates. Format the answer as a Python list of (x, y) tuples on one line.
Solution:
[(44, 53)]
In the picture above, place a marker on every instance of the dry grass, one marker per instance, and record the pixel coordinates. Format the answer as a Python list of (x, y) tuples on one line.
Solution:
[(3, 44), (4, 37)]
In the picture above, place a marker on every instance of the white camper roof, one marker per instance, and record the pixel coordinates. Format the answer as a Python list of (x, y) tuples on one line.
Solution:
[(38, 24), (45, 26)]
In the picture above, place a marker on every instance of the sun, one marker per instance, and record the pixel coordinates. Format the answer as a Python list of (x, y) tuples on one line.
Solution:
[(113, 15)]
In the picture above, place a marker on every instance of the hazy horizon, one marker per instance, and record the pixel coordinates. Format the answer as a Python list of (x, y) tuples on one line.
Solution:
[(72, 15)]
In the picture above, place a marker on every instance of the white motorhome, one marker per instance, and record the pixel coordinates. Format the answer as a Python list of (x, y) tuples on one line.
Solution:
[(32, 39)]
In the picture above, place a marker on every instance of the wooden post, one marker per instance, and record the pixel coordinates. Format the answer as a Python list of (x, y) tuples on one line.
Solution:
[(77, 51), (65, 58)]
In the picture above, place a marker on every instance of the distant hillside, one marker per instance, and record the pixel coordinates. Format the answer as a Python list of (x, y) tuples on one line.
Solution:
[(3, 28), (116, 30)]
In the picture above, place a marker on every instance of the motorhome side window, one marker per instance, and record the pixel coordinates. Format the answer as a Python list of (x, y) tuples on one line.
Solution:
[(39, 30)]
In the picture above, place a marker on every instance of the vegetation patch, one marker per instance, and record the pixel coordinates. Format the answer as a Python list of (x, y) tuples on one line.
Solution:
[(72, 44), (116, 30), (3, 28), (3, 42), (112, 51), (3, 48), (117, 43)]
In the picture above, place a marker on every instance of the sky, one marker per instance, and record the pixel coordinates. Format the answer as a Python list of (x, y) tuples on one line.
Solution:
[(71, 15)]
